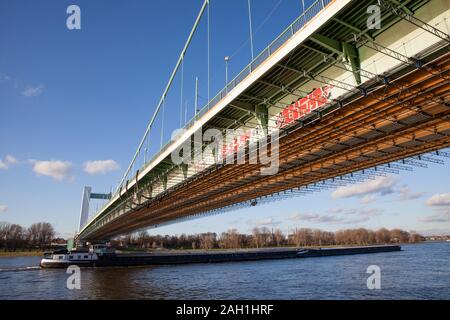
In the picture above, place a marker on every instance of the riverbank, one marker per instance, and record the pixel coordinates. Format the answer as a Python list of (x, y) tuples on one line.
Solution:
[(218, 250), (21, 254), (195, 251)]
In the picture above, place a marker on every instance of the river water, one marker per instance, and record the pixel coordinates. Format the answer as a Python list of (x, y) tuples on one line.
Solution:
[(420, 271)]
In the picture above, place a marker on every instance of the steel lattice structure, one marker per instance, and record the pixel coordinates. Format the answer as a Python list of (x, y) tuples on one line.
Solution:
[(385, 123)]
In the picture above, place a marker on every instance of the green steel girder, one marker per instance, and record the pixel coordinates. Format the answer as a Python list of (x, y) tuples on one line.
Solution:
[(185, 168), (164, 181), (262, 115), (347, 50), (401, 5), (243, 106), (366, 33)]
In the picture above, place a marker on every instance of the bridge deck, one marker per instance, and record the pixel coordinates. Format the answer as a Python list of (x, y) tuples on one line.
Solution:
[(406, 117)]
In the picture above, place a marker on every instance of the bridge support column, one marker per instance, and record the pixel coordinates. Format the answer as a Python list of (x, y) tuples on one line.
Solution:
[(262, 115), (164, 180), (184, 170)]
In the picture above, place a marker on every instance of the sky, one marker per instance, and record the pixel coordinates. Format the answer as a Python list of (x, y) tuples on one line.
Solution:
[(74, 105)]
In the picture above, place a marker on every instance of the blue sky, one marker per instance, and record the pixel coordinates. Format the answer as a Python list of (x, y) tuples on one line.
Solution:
[(74, 105)]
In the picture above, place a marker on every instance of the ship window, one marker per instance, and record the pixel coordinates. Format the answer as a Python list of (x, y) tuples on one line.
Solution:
[(86, 257), (79, 257), (60, 257), (70, 257)]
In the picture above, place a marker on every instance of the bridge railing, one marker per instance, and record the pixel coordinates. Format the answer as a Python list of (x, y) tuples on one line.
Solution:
[(287, 34)]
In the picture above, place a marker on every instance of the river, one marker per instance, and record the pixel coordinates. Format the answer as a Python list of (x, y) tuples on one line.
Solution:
[(420, 271)]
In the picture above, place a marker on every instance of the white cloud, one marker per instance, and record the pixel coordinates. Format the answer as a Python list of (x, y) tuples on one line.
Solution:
[(439, 200), (100, 166), (58, 170), (405, 193), (443, 216), (33, 91), (3, 208), (314, 217), (441, 204), (265, 222), (338, 216), (381, 185), (9, 160)]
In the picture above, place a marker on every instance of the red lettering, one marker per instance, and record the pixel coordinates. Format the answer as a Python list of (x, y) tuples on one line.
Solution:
[(304, 106)]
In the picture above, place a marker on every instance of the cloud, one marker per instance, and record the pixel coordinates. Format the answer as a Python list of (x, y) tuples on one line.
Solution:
[(336, 210), (3, 208), (265, 222), (441, 205), (405, 193), (316, 218), (338, 216), (100, 167), (58, 170), (382, 185), (9, 160), (33, 91), (443, 216), (439, 200), (364, 212)]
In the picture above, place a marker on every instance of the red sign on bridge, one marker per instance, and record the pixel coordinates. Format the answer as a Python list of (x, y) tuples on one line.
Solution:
[(304, 106)]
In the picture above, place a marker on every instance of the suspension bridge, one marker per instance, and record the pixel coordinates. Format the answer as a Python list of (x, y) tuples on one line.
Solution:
[(331, 101)]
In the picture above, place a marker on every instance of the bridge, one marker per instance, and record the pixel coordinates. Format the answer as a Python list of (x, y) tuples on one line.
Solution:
[(333, 100)]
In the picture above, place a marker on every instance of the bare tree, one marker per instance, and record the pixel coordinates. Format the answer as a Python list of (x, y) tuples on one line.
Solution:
[(414, 237), (142, 238), (383, 236), (399, 236), (257, 238), (263, 237), (279, 237), (41, 234), (208, 241), (4, 227), (302, 237)]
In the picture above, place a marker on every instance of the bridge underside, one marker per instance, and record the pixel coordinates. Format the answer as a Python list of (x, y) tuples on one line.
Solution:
[(388, 122), (388, 101)]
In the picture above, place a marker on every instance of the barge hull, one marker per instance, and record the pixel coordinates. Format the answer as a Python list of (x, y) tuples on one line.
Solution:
[(133, 260)]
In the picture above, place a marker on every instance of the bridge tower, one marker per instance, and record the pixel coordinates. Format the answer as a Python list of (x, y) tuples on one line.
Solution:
[(85, 204)]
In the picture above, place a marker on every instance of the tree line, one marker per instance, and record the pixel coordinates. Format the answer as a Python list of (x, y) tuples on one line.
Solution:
[(39, 236), (14, 237), (264, 238)]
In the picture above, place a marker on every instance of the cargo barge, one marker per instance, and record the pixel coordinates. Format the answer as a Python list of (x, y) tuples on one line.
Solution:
[(99, 257)]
